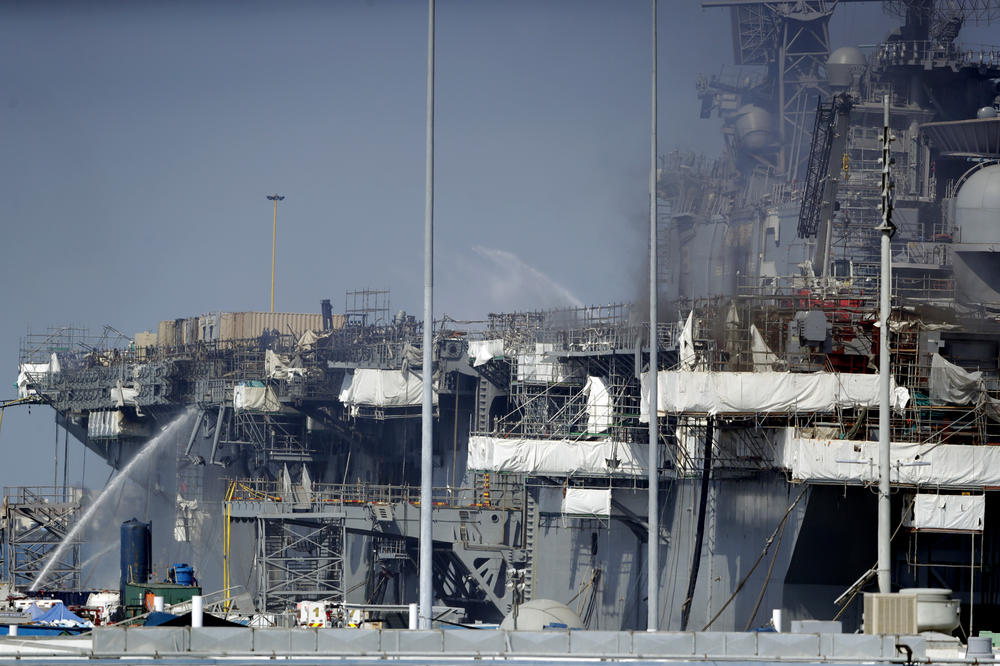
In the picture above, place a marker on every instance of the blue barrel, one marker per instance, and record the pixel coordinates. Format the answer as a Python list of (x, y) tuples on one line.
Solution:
[(137, 553), (183, 573)]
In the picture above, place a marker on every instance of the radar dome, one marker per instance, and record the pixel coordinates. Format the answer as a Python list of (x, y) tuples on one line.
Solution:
[(537, 614), (977, 207), (976, 266), (754, 128), (843, 64)]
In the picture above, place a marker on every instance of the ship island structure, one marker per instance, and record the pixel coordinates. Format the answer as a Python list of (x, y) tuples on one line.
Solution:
[(294, 471)]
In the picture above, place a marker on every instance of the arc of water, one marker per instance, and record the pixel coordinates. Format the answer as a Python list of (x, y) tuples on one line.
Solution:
[(144, 454)]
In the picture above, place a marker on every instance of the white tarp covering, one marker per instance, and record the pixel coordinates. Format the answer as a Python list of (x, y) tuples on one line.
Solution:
[(686, 355), (741, 392), (125, 395), (541, 367), (856, 461), (951, 513), (483, 351), (587, 501), (558, 457), (28, 373), (277, 366), (949, 383), (309, 339), (104, 424), (598, 405), (763, 358), (383, 388), (255, 398)]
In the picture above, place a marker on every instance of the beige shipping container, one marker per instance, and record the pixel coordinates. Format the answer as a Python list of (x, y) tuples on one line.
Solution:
[(145, 339), (165, 334), (243, 325)]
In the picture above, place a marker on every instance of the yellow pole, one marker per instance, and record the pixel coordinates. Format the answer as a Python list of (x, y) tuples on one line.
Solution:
[(274, 248), (226, 532)]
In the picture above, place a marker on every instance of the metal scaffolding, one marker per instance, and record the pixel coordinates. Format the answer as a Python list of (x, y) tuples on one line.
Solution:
[(36, 520), (298, 559)]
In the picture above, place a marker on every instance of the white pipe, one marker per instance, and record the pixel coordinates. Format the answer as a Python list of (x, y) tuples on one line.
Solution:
[(413, 616), (426, 440), (197, 611), (653, 538)]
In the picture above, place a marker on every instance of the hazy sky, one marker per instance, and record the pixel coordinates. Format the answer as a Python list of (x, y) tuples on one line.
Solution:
[(139, 139)]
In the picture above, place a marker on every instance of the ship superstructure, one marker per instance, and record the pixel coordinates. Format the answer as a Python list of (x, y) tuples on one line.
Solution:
[(295, 478)]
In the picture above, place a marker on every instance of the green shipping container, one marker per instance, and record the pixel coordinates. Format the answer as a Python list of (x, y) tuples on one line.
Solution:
[(172, 593)]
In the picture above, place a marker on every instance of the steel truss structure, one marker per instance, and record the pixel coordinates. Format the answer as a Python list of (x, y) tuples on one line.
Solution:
[(36, 520), (298, 559)]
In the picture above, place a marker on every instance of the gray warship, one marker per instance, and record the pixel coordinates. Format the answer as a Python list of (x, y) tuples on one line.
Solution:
[(292, 473)]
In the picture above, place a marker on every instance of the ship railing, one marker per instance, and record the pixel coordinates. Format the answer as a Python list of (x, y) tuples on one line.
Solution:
[(42, 494), (857, 292), (921, 52), (497, 495), (597, 339)]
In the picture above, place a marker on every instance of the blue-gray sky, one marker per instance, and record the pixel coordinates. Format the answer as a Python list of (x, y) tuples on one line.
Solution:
[(139, 139)]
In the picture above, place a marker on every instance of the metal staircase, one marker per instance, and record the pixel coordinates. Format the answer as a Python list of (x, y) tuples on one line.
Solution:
[(483, 405), (530, 530)]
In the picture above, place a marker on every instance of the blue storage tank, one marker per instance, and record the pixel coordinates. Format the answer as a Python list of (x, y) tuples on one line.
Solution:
[(136, 553), (183, 573)]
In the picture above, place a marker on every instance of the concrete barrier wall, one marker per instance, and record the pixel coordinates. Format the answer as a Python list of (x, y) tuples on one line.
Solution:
[(224, 641)]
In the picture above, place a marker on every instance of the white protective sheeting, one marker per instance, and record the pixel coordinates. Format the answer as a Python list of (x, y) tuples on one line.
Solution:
[(383, 388), (542, 367), (277, 366), (28, 373), (687, 357), (855, 461), (587, 501), (125, 395), (742, 392), (763, 358), (483, 351), (254, 398), (598, 405), (951, 384), (949, 513), (309, 339), (557, 457), (105, 424)]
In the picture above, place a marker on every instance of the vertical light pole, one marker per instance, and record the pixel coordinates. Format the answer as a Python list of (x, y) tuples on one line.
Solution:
[(885, 283), (274, 241), (426, 441), (653, 538)]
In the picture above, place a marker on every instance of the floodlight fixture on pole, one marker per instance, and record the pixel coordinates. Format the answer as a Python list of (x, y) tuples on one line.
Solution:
[(887, 229), (274, 240)]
